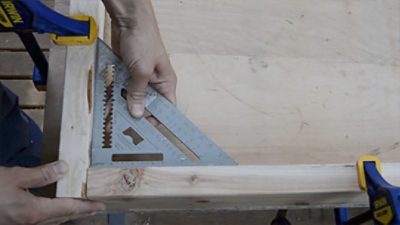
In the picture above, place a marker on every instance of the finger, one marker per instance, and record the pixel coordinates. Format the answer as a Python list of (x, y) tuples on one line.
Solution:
[(167, 80), (137, 93), (67, 208), (40, 176)]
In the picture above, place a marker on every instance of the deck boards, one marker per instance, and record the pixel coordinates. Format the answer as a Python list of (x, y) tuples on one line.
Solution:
[(15, 64), (10, 41), (28, 95), (16, 69)]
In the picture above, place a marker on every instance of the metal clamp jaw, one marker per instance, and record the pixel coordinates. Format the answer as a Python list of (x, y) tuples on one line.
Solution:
[(384, 198)]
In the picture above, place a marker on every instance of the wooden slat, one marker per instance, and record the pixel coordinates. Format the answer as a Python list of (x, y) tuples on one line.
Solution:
[(54, 101), (26, 91), (16, 64), (10, 41), (77, 115), (36, 115), (234, 187)]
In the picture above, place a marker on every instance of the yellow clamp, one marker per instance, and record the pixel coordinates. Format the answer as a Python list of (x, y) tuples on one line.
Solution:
[(361, 172), (78, 40), (41, 87)]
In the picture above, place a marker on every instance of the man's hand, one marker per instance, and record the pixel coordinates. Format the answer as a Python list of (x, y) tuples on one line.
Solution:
[(136, 38), (19, 207)]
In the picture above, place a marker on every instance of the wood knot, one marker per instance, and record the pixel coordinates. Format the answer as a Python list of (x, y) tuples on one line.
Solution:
[(129, 179), (194, 179)]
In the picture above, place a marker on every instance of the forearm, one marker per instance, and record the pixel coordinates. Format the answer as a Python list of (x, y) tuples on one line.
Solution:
[(131, 14)]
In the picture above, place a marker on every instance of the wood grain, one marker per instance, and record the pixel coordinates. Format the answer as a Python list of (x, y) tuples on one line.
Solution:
[(10, 41), (235, 187), (349, 31), (264, 110), (76, 122), (16, 65), (289, 82), (54, 103)]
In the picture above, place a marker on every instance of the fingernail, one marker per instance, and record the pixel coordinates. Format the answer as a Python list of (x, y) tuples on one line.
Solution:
[(60, 168), (136, 110)]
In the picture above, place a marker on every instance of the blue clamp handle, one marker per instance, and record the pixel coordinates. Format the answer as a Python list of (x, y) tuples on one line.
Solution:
[(27, 16), (384, 198)]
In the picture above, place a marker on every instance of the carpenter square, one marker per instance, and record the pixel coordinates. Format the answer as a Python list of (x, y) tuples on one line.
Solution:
[(121, 141)]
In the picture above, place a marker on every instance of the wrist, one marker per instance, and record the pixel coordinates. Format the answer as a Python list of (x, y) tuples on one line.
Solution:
[(131, 14)]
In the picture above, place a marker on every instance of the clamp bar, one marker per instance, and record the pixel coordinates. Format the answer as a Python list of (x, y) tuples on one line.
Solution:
[(27, 16), (34, 16)]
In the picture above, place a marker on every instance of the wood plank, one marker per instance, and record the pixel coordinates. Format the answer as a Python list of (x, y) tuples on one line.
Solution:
[(234, 187), (16, 65), (272, 84), (263, 110), (76, 115), (26, 91), (10, 41), (358, 31), (54, 101), (36, 115)]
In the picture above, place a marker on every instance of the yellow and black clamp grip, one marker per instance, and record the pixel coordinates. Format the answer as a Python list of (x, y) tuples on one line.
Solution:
[(89, 24), (384, 198), (28, 16)]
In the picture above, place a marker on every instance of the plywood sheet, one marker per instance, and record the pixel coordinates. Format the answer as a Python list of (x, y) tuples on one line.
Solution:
[(278, 82)]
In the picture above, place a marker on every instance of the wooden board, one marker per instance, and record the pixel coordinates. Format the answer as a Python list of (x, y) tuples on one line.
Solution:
[(54, 102), (77, 115), (292, 110), (288, 81), (345, 31), (234, 187)]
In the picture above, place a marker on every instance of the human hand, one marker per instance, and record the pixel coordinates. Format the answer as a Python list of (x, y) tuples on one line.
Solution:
[(19, 207), (136, 38)]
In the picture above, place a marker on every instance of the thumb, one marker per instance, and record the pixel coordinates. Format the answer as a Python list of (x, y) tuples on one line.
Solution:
[(40, 176), (136, 94)]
